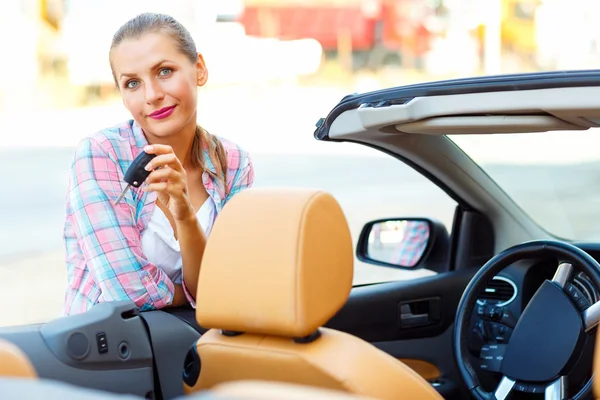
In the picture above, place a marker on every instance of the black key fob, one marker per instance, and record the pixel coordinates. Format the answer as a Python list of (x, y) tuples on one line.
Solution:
[(136, 174)]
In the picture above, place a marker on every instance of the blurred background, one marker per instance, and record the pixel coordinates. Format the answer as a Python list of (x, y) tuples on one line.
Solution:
[(280, 65)]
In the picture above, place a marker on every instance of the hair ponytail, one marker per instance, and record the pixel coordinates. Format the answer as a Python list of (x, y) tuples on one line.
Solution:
[(216, 153)]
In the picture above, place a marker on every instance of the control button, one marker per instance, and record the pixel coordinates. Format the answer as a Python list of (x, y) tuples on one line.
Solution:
[(102, 343), (507, 318), (124, 351), (498, 314), (582, 304), (481, 310), (486, 332), (574, 292), (484, 366), (578, 298), (501, 333), (493, 313), (491, 357)]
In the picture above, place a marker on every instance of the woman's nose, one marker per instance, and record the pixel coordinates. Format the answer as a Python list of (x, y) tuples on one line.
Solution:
[(154, 92)]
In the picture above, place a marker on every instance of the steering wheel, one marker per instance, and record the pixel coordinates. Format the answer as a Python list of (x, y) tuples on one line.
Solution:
[(548, 337)]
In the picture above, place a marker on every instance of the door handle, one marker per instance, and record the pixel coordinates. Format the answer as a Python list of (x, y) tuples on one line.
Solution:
[(419, 313), (409, 320)]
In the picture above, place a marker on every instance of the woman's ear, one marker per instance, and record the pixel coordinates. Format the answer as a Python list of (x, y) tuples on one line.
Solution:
[(201, 71)]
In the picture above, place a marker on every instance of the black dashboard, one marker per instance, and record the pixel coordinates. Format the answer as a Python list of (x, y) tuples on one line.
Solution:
[(501, 303)]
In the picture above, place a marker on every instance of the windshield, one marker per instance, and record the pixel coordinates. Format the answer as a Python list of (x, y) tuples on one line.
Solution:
[(552, 176)]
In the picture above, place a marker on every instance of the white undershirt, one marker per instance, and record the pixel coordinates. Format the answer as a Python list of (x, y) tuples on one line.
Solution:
[(160, 246)]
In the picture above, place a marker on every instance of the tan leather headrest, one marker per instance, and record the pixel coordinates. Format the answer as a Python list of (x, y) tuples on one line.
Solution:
[(277, 262), (14, 363)]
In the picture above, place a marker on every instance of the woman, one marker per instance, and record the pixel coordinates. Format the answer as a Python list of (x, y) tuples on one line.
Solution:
[(148, 248)]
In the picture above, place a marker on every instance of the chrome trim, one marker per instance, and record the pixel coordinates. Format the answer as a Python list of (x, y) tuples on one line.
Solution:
[(504, 388), (591, 316), (556, 390), (511, 283), (562, 274)]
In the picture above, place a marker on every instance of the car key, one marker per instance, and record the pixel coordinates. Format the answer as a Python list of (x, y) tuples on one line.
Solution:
[(136, 173)]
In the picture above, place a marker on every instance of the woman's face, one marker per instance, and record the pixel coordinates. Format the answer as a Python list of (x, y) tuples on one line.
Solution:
[(158, 83)]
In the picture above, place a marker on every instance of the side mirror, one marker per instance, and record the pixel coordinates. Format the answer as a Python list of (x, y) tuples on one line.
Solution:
[(406, 243)]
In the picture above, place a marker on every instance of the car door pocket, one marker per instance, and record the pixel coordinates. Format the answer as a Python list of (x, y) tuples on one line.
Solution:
[(419, 313)]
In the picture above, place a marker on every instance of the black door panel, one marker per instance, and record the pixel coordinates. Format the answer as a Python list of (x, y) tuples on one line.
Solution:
[(413, 309), (171, 339)]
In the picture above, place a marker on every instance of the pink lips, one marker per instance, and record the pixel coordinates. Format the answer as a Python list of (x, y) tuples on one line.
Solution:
[(162, 113)]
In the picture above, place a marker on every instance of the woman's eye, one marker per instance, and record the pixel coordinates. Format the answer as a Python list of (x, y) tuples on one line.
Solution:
[(131, 84), (165, 71)]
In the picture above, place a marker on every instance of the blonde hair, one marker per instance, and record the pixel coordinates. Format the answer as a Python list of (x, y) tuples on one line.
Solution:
[(154, 23)]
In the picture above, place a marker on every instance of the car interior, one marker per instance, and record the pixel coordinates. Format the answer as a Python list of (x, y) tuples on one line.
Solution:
[(511, 312)]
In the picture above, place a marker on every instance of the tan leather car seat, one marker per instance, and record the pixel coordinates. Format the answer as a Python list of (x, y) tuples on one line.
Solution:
[(277, 266), (264, 390), (596, 383), (14, 363)]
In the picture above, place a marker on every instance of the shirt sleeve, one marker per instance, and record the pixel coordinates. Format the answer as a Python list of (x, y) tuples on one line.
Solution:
[(243, 175), (188, 295), (108, 235)]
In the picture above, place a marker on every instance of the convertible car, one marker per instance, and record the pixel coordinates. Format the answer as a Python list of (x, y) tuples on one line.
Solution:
[(510, 309)]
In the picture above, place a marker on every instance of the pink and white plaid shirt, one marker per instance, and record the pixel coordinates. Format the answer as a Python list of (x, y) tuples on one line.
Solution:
[(410, 250), (104, 255)]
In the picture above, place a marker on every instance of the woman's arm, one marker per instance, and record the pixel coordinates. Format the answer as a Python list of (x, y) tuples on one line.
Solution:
[(168, 179), (192, 242), (240, 172), (108, 235), (179, 297)]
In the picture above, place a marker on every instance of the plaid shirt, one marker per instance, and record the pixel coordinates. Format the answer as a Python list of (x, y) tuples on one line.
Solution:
[(104, 255), (411, 248)]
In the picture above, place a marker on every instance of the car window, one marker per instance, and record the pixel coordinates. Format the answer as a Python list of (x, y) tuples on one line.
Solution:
[(369, 185), (556, 185)]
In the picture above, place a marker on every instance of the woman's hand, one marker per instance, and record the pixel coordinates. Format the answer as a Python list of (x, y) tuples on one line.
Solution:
[(168, 180)]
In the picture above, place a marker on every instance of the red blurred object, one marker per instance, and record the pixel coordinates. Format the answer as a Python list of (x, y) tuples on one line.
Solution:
[(320, 22), (393, 24)]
